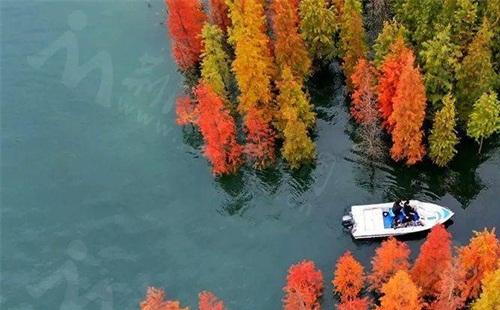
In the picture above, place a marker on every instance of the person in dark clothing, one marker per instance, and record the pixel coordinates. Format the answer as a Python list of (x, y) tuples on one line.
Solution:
[(409, 212), (396, 209)]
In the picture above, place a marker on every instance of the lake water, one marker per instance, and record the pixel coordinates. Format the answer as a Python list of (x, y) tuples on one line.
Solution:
[(103, 195)]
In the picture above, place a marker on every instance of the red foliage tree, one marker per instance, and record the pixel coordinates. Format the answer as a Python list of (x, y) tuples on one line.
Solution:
[(390, 71), (219, 131), (349, 277), (364, 96), (435, 255), (408, 114), (355, 304), (390, 257), (219, 14), (260, 139), (304, 287), (186, 110), (477, 259), (208, 301), (185, 20), (155, 300)]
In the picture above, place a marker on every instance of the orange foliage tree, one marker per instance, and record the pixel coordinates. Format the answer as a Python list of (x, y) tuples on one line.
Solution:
[(208, 301), (400, 293), (304, 287), (289, 47), (435, 255), (185, 20), (219, 131), (219, 14), (349, 277), (408, 114), (186, 111), (390, 257), (390, 71), (155, 300), (364, 96), (254, 69), (477, 259)]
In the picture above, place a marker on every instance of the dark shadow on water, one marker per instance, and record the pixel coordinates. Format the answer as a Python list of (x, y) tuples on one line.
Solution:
[(426, 180)]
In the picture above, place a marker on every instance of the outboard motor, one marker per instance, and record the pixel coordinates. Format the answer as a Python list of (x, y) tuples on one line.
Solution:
[(347, 221)]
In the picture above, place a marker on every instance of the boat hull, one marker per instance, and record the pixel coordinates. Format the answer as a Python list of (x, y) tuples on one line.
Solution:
[(370, 222)]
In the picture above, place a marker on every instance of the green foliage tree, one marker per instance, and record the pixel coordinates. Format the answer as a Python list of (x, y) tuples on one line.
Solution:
[(491, 10), (352, 37), (440, 60), (419, 17), (390, 32), (462, 16), (475, 75), (443, 138), (295, 117), (318, 26), (484, 119), (215, 68)]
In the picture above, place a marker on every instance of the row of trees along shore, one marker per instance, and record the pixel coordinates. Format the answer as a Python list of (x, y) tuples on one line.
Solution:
[(439, 279), (429, 78)]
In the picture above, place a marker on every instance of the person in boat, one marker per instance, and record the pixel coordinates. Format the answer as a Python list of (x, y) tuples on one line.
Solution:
[(397, 211), (409, 212)]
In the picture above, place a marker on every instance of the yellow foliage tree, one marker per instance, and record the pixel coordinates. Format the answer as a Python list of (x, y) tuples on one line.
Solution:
[(490, 297), (215, 69), (294, 118), (253, 65)]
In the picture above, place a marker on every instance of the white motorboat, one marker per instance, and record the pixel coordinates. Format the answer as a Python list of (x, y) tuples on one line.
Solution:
[(377, 220)]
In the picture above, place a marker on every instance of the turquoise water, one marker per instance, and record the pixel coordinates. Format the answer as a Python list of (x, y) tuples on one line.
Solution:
[(103, 195)]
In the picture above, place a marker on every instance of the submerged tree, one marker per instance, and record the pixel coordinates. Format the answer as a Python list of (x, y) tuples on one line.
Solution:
[(419, 17), (390, 72), (391, 31), (408, 115), (475, 75), (186, 111), (185, 20), (364, 109), (349, 277), (156, 300), (219, 14), (208, 301), (352, 37), (485, 118), (443, 138), (254, 70), (219, 132), (304, 287), (477, 259), (289, 47), (440, 60), (400, 293), (294, 118), (390, 257), (215, 69), (435, 255), (260, 139), (318, 26), (449, 295), (490, 297), (462, 15)]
